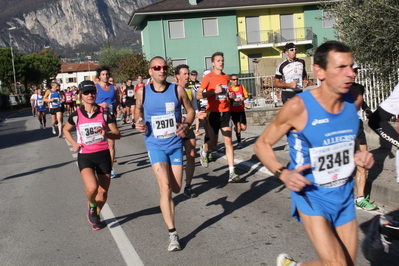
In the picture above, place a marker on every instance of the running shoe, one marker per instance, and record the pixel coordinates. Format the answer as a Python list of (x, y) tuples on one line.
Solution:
[(54, 132), (124, 122), (233, 177), (197, 133), (174, 244), (60, 135), (44, 127), (133, 125), (41, 127), (203, 159), (239, 146), (365, 204), (92, 215), (210, 157), (189, 193), (98, 226), (113, 175), (285, 260), (115, 160)]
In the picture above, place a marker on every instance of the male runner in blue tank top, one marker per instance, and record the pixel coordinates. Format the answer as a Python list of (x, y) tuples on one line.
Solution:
[(159, 105), (321, 127)]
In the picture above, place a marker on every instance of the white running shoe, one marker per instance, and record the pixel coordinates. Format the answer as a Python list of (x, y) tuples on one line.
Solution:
[(174, 244), (54, 132)]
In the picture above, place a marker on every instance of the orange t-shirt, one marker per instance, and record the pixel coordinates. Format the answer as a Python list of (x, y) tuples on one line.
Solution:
[(217, 102)]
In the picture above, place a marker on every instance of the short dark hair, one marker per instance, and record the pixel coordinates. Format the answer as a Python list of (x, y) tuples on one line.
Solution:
[(321, 54), (100, 69), (233, 75), (216, 54), (177, 69)]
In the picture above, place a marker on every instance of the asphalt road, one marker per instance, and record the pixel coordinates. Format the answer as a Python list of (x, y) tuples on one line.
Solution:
[(43, 210)]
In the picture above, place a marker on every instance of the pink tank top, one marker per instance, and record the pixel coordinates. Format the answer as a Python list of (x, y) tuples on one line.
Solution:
[(68, 97), (87, 135)]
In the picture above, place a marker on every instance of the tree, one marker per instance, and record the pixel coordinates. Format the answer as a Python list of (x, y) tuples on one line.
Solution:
[(40, 66), (130, 67), (370, 28), (110, 56), (6, 70)]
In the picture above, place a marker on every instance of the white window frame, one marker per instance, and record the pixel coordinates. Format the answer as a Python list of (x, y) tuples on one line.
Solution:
[(181, 61), (210, 67), (328, 23), (203, 28), (169, 29)]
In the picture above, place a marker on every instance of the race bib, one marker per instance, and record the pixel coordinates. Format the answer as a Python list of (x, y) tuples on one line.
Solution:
[(130, 93), (170, 108), (164, 126), (89, 133), (68, 98), (223, 95), (332, 165), (123, 99), (39, 102), (238, 103)]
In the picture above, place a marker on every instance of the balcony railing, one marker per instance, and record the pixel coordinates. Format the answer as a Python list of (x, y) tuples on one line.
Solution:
[(274, 37)]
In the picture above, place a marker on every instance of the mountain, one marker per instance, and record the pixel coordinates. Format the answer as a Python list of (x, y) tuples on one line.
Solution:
[(68, 26)]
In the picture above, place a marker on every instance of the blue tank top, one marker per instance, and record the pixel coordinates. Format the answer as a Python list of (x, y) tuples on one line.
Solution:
[(55, 95), (40, 103), (162, 110), (327, 142), (103, 96)]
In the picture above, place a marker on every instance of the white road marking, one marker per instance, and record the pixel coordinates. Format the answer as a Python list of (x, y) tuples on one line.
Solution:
[(126, 248)]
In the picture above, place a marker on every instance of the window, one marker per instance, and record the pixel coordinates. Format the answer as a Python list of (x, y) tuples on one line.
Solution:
[(328, 19), (210, 27), (176, 62), (176, 29), (208, 63), (71, 80)]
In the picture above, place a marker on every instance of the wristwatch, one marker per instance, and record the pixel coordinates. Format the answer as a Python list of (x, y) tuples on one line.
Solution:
[(279, 171)]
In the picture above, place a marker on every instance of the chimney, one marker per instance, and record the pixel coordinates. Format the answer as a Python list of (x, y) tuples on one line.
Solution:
[(193, 2)]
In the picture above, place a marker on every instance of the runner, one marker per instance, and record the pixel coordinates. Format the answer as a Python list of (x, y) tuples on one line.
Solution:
[(321, 126), (138, 86), (55, 99), (107, 97), (189, 141), (94, 124), (41, 109), (160, 103), (130, 102), (33, 100), (214, 87), (237, 109), (69, 100)]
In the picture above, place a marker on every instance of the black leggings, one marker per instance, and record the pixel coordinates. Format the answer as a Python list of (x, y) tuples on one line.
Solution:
[(379, 122)]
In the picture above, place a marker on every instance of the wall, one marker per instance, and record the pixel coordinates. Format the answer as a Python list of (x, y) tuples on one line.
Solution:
[(260, 116), (312, 15), (194, 47)]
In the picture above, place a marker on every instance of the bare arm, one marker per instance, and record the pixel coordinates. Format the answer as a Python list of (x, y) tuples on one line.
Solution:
[(138, 111), (183, 98), (279, 84), (68, 136), (289, 117)]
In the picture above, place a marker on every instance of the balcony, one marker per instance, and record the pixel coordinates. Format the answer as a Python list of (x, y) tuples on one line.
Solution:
[(270, 38)]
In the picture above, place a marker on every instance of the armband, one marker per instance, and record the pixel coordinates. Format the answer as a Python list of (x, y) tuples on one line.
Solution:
[(279, 171)]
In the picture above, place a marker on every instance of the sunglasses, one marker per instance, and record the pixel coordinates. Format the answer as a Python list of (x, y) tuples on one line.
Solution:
[(89, 92), (158, 68), (292, 49), (234, 79)]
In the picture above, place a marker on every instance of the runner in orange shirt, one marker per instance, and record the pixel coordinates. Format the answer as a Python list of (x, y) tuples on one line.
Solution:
[(214, 87)]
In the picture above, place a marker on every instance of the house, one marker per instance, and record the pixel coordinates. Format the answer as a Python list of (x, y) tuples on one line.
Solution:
[(190, 31), (72, 74)]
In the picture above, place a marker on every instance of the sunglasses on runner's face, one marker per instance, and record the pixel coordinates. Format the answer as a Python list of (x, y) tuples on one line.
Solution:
[(234, 79), (89, 92), (292, 49), (158, 68)]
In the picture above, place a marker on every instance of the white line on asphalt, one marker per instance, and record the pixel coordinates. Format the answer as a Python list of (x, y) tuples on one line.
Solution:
[(126, 248)]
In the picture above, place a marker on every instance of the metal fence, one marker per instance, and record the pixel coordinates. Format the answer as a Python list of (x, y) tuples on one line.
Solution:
[(264, 94)]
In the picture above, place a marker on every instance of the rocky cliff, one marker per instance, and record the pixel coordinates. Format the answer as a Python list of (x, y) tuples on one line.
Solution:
[(71, 25)]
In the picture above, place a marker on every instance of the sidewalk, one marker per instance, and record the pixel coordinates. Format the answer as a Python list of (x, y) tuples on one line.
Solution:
[(381, 182)]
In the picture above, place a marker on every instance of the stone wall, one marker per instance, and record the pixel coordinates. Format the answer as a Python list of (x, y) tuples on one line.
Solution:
[(260, 116)]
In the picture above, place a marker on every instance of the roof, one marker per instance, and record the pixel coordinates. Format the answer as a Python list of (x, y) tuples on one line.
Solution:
[(184, 6), (78, 67)]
